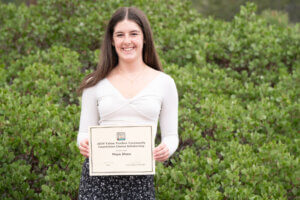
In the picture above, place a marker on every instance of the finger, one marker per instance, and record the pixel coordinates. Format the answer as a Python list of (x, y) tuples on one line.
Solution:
[(164, 150), (84, 144), (84, 153), (83, 148), (161, 159), (162, 156), (159, 148)]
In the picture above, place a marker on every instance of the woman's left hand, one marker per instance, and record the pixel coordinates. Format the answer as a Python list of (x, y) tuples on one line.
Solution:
[(161, 152)]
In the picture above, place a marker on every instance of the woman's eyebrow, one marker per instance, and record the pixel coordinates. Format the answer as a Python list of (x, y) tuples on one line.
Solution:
[(118, 32), (132, 31)]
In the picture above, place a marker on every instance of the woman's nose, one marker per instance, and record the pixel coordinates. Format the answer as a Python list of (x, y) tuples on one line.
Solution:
[(127, 39)]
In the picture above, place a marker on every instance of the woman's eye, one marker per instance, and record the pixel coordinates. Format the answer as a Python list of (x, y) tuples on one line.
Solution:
[(119, 35)]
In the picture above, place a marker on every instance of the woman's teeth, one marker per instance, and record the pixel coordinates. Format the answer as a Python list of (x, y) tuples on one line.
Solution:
[(128, 49)]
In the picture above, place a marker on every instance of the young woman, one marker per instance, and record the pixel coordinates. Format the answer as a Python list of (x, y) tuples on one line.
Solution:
[(128, 88)]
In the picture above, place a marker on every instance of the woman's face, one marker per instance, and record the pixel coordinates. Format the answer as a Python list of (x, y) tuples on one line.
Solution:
[(128, 40)]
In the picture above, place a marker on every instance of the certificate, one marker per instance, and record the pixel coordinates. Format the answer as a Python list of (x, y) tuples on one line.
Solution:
[(121, 150)]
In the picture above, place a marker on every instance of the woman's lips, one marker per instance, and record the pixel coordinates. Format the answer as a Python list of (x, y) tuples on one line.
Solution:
[(128, 50)]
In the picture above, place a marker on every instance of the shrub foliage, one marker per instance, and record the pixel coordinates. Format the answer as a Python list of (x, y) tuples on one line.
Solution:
[(238, 85)]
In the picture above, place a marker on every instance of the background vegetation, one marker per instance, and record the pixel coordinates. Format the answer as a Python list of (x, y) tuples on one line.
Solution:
[(227, 9), (238, 86)]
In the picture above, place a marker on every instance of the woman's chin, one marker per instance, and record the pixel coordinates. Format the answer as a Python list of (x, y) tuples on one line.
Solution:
[(128, 58)]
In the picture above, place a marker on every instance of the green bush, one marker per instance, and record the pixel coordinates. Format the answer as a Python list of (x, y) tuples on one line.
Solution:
[(231, 148), (34, 135), (237, 83), (55, 72)]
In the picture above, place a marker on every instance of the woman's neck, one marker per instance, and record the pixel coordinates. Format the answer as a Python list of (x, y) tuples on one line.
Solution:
[(131, 67)]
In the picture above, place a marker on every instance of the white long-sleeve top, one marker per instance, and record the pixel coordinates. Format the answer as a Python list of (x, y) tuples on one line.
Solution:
[(103, 104)]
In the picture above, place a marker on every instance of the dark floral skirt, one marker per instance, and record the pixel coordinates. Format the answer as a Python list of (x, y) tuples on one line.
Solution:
[(115, 187)]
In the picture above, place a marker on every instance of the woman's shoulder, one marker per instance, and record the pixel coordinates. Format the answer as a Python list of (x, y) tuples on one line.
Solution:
[(95, 88), (156, 73), (167, 78)]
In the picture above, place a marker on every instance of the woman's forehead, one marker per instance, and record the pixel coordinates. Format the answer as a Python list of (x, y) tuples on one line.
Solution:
[(127, 26)]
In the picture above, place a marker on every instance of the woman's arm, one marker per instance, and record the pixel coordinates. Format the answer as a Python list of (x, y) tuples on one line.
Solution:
[(89, 117), (168, 122)]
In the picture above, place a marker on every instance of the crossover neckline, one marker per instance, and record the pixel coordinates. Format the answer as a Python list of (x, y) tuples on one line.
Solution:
[(138, 93)]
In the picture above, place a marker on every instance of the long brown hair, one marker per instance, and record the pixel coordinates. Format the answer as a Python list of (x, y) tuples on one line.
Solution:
[(108, 58)]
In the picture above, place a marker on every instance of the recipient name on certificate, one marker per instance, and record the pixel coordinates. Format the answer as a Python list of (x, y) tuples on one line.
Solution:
[(121, 150)]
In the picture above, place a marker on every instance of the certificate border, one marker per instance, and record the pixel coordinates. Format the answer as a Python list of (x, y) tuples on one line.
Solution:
[(94, 173)]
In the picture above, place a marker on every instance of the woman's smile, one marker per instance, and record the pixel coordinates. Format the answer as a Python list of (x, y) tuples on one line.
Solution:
[(128, 49)]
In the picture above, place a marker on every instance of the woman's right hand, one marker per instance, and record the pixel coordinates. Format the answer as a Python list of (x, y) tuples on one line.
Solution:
[(84, 148)]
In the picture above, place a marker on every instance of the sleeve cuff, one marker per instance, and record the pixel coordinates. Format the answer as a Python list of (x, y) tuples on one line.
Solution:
[(81, 136), (172, 143)]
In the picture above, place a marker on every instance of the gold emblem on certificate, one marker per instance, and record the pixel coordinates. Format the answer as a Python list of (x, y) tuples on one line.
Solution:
[(121, 150)]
